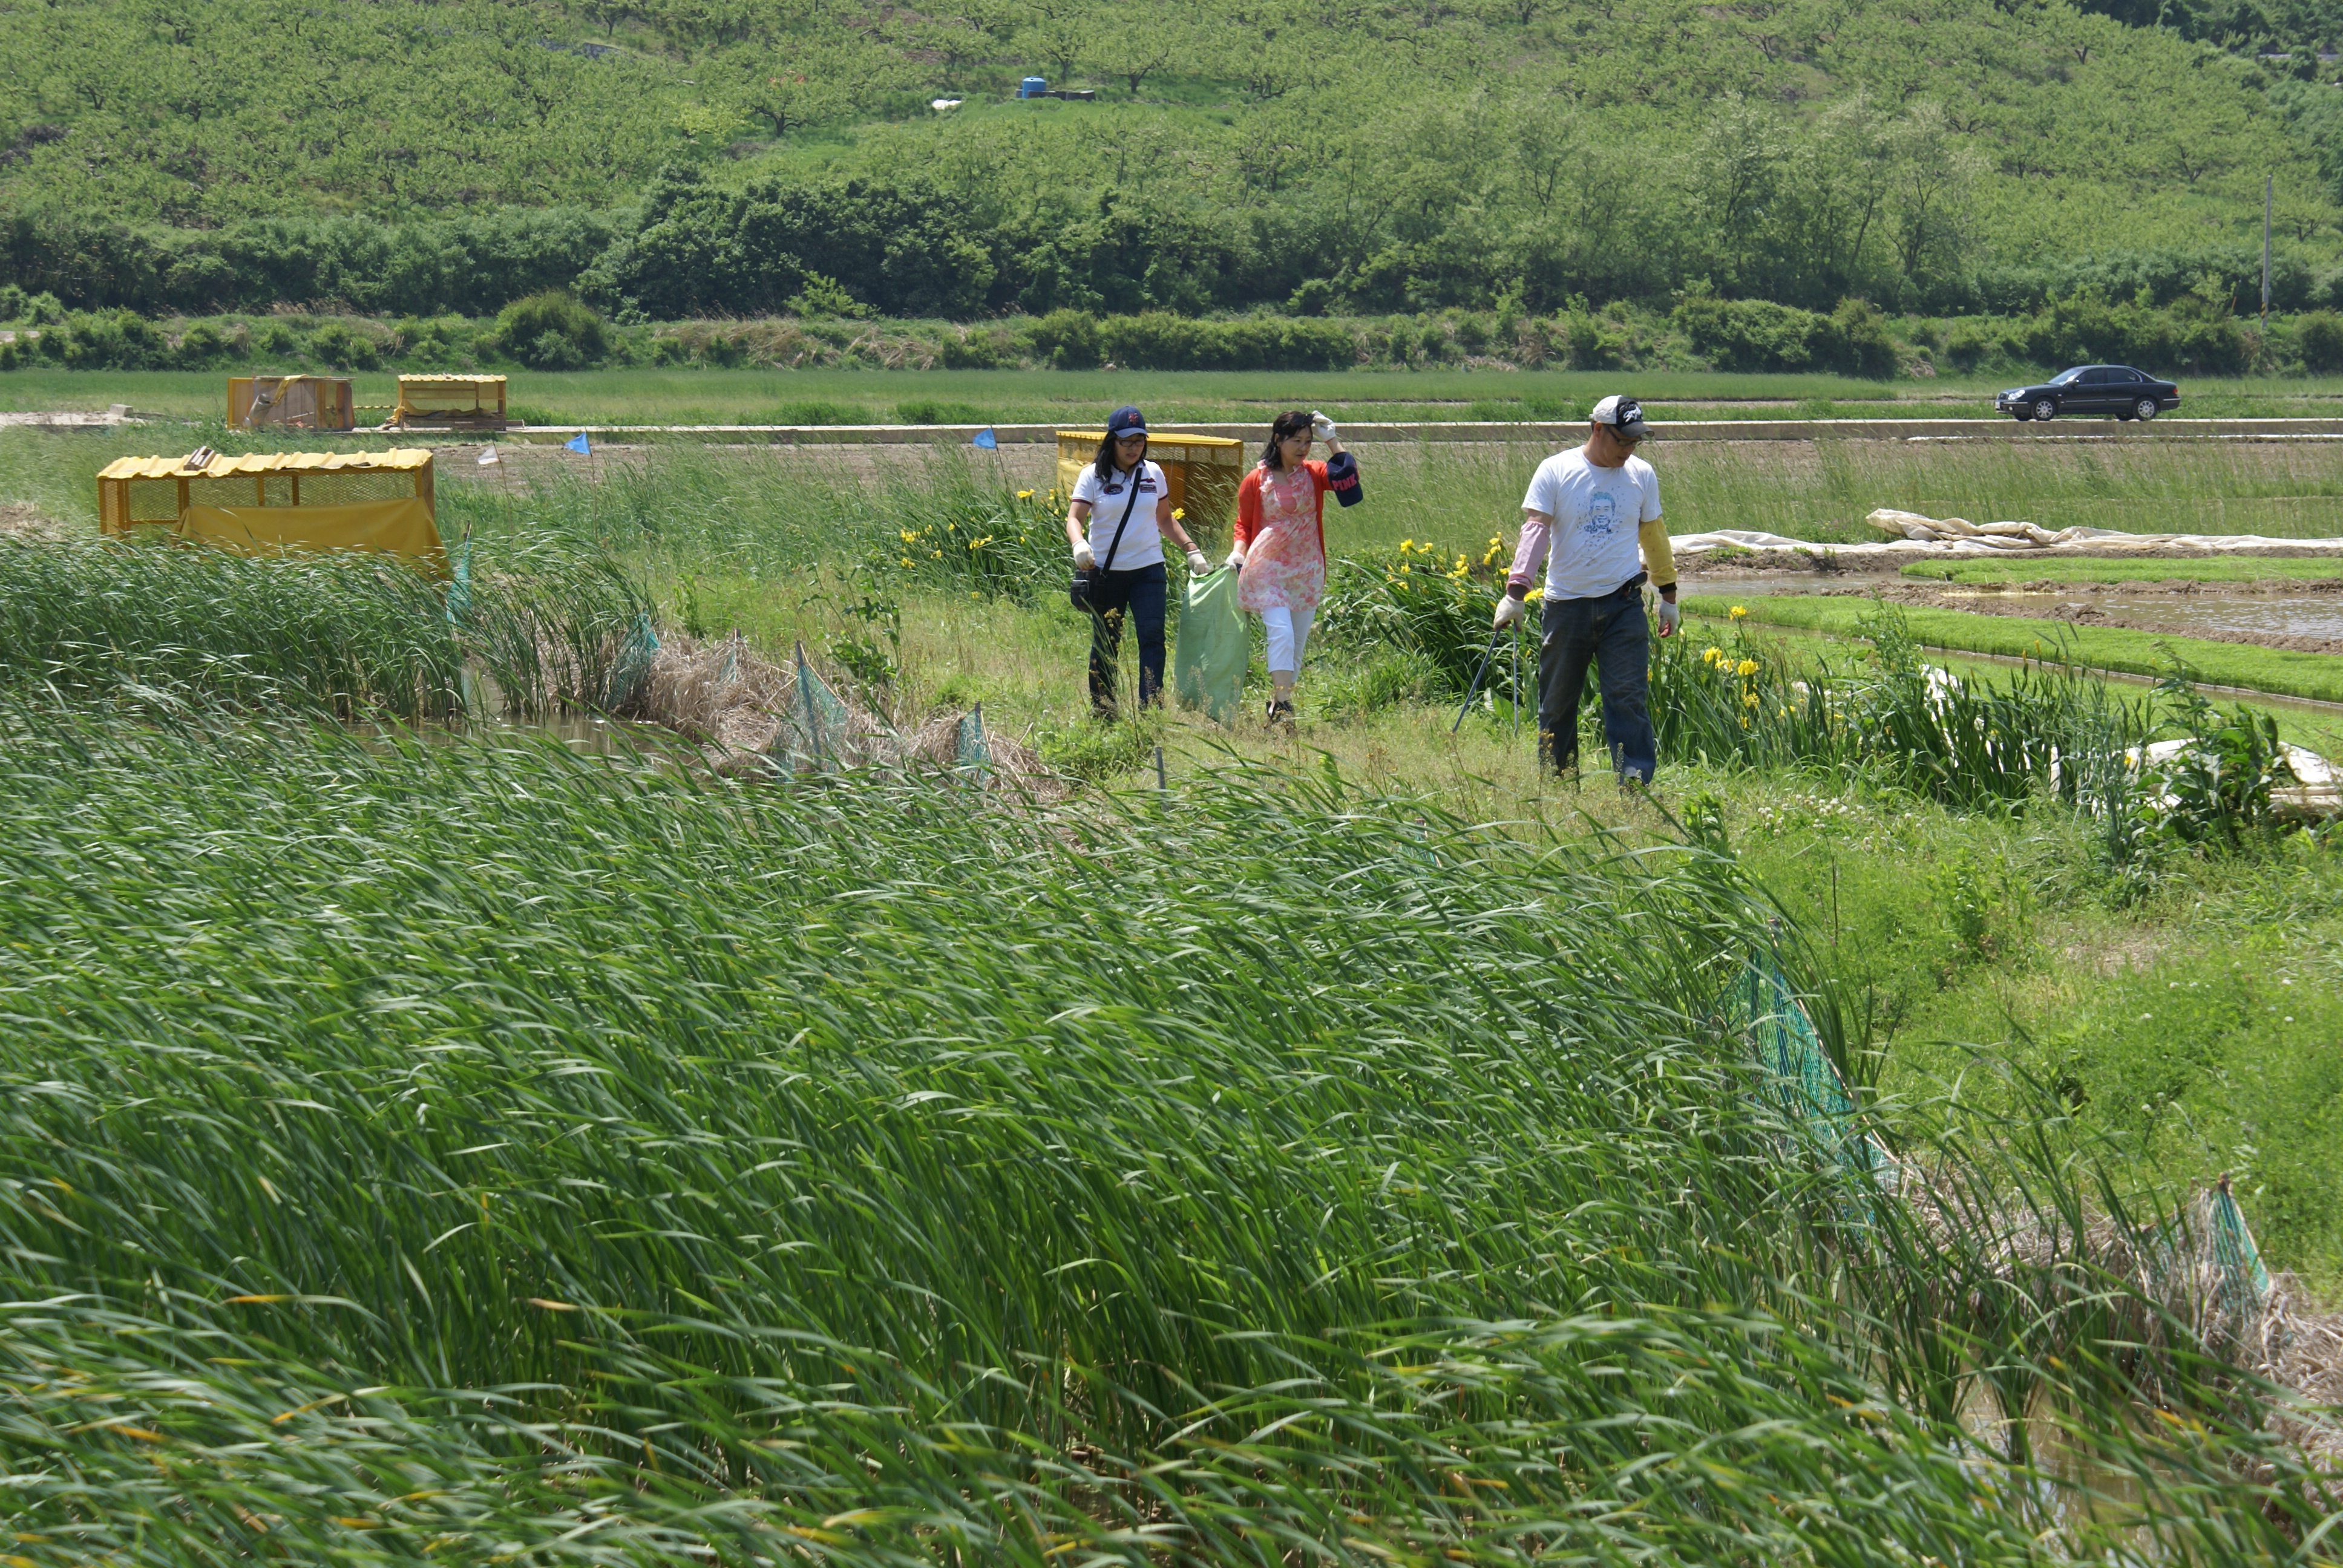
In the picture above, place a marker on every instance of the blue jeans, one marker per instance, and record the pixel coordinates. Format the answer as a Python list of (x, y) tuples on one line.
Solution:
[(1611, 633), (1140, 594)]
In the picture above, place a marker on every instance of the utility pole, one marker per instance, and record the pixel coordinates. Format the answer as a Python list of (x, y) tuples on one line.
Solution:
[(2267, 182)]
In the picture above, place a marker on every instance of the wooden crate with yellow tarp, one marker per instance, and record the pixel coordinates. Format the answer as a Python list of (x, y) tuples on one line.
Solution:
[(450, 403), (290, 402), (1203, 473), (265, 502)]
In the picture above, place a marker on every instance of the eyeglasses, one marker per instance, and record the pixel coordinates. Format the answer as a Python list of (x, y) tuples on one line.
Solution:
[(1130, 440)]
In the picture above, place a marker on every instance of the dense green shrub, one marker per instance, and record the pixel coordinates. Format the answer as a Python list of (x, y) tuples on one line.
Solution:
[(1758, 335), (2193, 335), (550, 331), (339, 347), (1067, 339), (1972, 342), (474, 263), (1159, 340), (2318, 339), (976, 350), (107, 340), (203, 345), (903, 249)]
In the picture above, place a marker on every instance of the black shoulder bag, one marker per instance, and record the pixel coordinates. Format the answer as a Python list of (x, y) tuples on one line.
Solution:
[(1080, 591)]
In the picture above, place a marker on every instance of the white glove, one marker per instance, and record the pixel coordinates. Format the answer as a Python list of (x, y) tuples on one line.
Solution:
[(1235, 562), (1197, 565), (1084, 556), (1670, 614), (1321, 426), (1509, 610)]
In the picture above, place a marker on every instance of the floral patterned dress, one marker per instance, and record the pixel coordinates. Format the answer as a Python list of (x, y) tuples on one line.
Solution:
[(1281, 526)]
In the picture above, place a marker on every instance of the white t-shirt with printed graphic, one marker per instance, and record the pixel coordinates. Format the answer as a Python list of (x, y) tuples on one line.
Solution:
[(1596, 513), (1141, 545)]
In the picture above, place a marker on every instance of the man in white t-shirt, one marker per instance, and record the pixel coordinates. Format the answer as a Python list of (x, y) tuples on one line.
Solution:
[(1593, 516)]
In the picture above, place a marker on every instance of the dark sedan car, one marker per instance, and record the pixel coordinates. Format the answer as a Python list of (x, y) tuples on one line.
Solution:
[(2102, 389)]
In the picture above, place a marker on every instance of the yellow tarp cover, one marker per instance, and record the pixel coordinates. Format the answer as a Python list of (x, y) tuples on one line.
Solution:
[(402, 528), (397, 459)]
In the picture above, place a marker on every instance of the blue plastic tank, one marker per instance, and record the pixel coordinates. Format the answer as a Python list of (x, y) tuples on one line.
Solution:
[(1033, 88)]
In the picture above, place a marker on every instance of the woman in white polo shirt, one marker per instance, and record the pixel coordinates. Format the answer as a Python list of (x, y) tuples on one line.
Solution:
[(1121, 508)]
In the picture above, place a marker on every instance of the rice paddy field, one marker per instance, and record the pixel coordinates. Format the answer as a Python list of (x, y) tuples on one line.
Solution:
[(660, 395), (1344, 1146), (2317, 677)]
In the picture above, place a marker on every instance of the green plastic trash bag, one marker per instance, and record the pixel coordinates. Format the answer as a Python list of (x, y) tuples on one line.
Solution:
[(1207, 669)]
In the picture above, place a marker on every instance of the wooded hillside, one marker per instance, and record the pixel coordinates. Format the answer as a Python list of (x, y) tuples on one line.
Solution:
[(1938, 155)]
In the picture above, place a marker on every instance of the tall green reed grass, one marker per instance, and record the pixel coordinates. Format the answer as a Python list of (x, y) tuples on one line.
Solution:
[(783, 514), (355, 636), (501, 1154)]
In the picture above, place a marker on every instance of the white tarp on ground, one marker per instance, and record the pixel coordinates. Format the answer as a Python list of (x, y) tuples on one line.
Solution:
[(2316, 791), (1916, 535)]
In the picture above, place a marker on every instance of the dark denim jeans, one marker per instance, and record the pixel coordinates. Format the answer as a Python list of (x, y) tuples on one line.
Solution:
[(1611, 633), (1139, 594)]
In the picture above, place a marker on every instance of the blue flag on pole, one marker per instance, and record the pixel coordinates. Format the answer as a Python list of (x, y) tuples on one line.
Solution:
[(579, 443), (986, 439)]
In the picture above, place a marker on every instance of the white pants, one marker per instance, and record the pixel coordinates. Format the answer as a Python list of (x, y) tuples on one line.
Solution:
[(1289, 630)]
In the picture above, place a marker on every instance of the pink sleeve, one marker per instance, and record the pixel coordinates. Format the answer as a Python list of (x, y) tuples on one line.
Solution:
[(1530, 554)]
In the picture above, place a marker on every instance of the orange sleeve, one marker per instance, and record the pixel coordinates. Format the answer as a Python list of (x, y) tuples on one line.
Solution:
[(1248, 509)]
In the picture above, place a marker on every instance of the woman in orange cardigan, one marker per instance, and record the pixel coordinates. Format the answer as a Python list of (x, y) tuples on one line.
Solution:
[(1281, 540)]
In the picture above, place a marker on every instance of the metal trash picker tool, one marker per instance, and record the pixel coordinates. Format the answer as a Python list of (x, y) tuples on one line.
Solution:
[(1494, 635)]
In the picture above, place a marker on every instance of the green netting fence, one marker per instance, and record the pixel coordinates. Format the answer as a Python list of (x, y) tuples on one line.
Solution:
[(813, 729), (1802, 1084), (972, 756), (633, 665), (2241, 1283), (1797, 1074)]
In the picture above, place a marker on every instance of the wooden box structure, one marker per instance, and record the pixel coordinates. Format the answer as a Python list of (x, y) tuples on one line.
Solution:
[(290, 402), (267, 502), (450, 403), (1204, 472)]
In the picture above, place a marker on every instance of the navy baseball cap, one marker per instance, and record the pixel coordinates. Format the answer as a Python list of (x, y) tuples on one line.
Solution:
[(1124, 421)]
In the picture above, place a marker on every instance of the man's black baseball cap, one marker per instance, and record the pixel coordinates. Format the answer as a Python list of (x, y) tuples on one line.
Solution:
[(1623, 415)]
